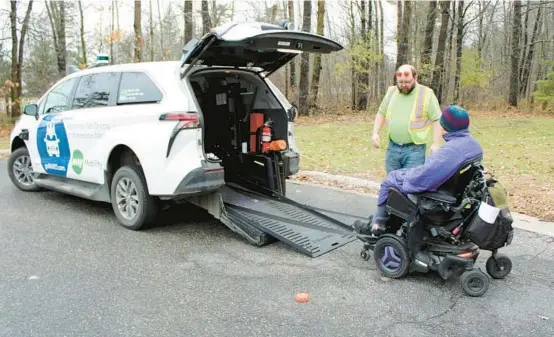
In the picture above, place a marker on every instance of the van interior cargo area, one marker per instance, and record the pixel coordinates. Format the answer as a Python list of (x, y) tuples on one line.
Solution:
[(235, 105), (253, 203)]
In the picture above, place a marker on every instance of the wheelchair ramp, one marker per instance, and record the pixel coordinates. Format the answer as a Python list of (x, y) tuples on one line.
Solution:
[(296, 225)]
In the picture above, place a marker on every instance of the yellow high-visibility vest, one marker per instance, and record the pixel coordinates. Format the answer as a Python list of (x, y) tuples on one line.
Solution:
[(420, 127)]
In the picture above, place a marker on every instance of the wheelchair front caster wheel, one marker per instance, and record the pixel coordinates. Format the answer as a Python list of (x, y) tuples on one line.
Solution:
[(364, 254), (499, 266), (475, 283)]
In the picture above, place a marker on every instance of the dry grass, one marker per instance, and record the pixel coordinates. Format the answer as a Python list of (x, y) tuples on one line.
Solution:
[(518, 150), (4, 136)]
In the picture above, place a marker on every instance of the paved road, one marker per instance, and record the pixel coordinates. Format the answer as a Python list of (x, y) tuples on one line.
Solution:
[(67, 269)]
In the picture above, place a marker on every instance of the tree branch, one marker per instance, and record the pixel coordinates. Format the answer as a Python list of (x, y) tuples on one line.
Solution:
[(477, 16)]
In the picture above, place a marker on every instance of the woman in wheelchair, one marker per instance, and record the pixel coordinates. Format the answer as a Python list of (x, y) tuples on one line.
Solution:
[(441, 165), (434, 216)]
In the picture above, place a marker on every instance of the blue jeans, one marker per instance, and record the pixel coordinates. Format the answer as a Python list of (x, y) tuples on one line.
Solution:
[(404, 156)]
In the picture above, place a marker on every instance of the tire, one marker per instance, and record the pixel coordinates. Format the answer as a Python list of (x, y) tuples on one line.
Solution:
[(475, 283), (365, 255), (134, 187), (391, 251), (499, 266), (18, 158)]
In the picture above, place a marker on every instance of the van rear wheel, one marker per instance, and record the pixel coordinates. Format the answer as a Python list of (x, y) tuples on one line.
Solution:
[(133, 206)]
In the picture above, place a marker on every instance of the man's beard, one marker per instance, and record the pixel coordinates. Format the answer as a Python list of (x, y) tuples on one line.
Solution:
[(406, 91)]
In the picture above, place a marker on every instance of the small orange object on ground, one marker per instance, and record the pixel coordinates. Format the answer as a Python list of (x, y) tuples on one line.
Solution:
[(302, 297)]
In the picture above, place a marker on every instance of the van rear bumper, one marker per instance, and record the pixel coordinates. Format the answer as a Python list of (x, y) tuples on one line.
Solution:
[(208, 177)]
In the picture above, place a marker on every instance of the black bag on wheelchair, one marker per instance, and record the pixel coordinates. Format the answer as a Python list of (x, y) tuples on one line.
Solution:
[(491, 228)]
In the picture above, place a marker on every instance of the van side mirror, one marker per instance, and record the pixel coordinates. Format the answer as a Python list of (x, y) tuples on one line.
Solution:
[(31, 110)]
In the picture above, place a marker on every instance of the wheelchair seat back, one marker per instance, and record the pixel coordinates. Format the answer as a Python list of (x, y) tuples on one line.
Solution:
[(456, 185)]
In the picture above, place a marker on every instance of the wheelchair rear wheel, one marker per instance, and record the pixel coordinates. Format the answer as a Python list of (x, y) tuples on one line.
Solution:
[(391, 257)]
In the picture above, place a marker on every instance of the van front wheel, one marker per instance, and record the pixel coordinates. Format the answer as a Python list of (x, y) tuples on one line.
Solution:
[(133, 206), (20, 170)]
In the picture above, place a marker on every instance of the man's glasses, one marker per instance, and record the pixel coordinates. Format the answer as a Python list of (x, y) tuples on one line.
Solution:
[(405, 73)]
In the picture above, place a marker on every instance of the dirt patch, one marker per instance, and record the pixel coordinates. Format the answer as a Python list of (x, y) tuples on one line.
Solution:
[(5, 132)]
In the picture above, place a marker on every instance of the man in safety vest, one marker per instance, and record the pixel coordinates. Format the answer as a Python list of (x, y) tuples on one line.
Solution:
[(410, 113)]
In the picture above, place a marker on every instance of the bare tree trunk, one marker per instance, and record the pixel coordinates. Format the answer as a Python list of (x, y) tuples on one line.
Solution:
[(528, 60), (480, 32), (206, 20), (151, 30), (446, 72), (514, 74), (317, 56), (138, 32), (459, 45), (50, 12), (82, 35), (117, 27), (62, 48), (273, 13), (428, 42), (362, 75), (524, 36), (382, 44), (439, 58), (305, 64), (399, 33), (353, 69), (377, 68), (15, 107), (402, 37), (188, 20), (214, 13), (293, 62), (112, 30), (287, 71), (17, 57), (162, 50)]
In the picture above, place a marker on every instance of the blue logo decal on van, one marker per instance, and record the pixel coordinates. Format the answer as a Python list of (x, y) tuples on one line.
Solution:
[(53, 146)]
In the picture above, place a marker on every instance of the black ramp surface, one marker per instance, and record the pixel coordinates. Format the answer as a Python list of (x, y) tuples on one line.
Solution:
[(310, 232)]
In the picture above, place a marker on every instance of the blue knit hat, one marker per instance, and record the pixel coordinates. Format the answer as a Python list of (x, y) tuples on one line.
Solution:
[(454, 118)]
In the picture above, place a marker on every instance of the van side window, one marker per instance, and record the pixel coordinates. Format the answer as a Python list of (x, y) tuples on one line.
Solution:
[(96, 90), (137, 87), (59, 98)]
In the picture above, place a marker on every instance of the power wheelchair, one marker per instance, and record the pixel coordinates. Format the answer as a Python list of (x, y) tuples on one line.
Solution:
[(442, 231)]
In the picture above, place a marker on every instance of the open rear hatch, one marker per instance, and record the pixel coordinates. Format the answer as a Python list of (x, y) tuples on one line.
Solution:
[(252, 45), (253, 204)]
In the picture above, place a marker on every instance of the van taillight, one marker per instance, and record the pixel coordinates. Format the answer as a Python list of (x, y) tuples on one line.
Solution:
[(186, 120)]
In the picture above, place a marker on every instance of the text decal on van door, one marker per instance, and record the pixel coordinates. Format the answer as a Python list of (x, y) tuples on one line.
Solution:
[(53, 146)]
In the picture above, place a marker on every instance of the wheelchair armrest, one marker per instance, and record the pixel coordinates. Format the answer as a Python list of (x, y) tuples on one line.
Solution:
[(437, 196)]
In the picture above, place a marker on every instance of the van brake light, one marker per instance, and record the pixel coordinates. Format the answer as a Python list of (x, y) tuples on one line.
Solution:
[(187, 120)]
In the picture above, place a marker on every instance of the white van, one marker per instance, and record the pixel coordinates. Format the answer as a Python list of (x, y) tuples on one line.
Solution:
[(135, 134)]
